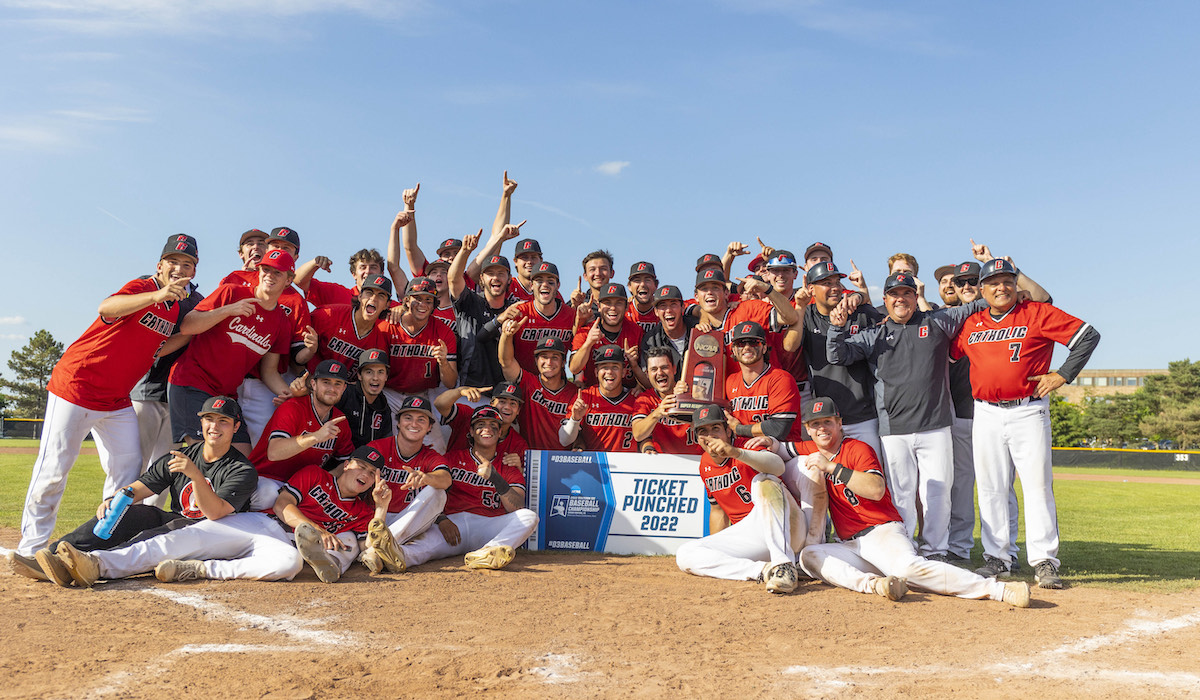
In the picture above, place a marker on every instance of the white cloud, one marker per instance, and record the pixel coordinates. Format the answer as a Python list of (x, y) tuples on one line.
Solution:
[(31, 136), (12, 320), (612, 168)]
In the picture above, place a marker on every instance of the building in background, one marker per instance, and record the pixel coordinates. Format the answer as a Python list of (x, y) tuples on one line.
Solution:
[(1106, 382)]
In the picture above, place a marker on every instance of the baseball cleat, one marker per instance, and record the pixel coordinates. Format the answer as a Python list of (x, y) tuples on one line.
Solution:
[(1016, 593), (495, 557), (54, 568), (994, 568), (27, 566), (891, 587), (312, 549), (380, 538), (370, 559), (179, 570), (1045, 574), (782, 578), (84, 566)]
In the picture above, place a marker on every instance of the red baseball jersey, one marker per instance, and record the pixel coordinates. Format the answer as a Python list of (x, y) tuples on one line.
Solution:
[(671, 436), (445, 314), (459, 421), (294, 307), (648, 320), (412, 367), (425, 460), (98, 370), (218, 359), (471, 493), (543, 411), (296, 417), (608, 425), (538, 326), (1004, 353), (851, 514), (329, 293), (630, 336), (728, 484), (773, 395), (319, 499), (340, 339), (517, 292), (759, 311)]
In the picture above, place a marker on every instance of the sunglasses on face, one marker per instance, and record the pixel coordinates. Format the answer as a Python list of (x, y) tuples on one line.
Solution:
[(966, 282), (744, 343)]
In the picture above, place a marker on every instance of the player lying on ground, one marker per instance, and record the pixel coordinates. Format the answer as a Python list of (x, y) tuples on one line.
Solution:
[(875, 554), (756, 523), (328, 510), (485, 515)]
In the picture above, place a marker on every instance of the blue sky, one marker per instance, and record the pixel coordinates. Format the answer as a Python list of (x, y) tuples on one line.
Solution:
[(1060, 134)]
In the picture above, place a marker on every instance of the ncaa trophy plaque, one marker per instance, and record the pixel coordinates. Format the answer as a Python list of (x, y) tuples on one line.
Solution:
[(705, 373)]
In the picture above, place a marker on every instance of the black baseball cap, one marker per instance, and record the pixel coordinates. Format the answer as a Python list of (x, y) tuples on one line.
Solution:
[(667, 292), (749, 329), (496, 261), (608, 353), (549, 343), (370, 455), (708, 414), (820, 271), (373, 356), (819, 407), (967, 269), (486, 413), (508, 390), (222, 406), (709, 259), (449, 244), (815, 247), (613, 290), (899, 279), (546, 268), (526, 246), (421, 285), (436, 262), (332, 369), (642, 268), (181, 244), (710, 276), (996, 266), (416, 403), (380, 282), (283, 233), (251, 233)]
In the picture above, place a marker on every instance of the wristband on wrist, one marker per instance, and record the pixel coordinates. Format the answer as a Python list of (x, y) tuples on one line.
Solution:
[(744, 431), (438, 520), (498, 481), (842, 474)]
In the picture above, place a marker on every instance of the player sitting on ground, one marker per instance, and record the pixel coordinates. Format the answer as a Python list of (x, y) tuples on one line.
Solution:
[(757, 527), (875, 554), (485, 515)]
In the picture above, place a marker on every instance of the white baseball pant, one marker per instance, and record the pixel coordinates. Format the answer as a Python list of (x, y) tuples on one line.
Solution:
[(866, 431), (258, 405), (154, 435), (265, 494), (888, 550), (1015, 438), (437, 438), (63, 431), (922, 464), (742, 551), (475, 532), (418, 515), (962, 496)]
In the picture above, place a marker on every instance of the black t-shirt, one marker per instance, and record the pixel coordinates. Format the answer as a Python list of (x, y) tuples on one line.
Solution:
[(231, 476), (478, 348), (850, 386), (367, 421)]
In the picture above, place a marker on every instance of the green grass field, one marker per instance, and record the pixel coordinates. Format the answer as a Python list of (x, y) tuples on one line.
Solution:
[(1138, 537)]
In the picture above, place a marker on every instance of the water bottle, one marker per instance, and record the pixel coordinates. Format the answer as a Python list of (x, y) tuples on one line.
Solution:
[(116, 510)]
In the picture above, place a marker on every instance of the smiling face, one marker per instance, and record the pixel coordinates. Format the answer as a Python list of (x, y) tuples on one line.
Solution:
[(327, 391), (609, 376), (486, 432), (826, 431), (545, 288), (252, 251), (748, 351), (670, 314), (412, 427), (967, 289), (1000, 292), (612, 312), (641, 288), (273, 281), (549, 364), (901, 303), (494, 282), (371, 380), (783, 279), (175, 267), (421, 306), (372, 303), (947, 291), (827, 293), (364, 269), (217, 430), (526, 263), (437, 273), (597, 272), (661, 372), (712, 298), (356, 477), (508, 408)]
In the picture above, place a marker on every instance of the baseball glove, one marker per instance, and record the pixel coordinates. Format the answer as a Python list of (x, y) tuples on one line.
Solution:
[(379, 537)]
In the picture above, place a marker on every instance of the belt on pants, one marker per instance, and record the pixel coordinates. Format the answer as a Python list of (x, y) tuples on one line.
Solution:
[(1012, 403), (862, 532)]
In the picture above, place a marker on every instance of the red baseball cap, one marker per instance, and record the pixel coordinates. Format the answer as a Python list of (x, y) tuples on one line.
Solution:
[(279, 259)]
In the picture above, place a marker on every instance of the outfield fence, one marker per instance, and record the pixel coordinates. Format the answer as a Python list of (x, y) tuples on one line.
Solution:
[(1182, 460), (20, 427)]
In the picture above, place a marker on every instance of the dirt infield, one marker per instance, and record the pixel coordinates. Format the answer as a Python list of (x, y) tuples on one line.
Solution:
[(570, 625)]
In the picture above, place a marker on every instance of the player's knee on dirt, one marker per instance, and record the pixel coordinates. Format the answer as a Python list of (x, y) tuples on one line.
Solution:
[(689, 554), (527, 517)]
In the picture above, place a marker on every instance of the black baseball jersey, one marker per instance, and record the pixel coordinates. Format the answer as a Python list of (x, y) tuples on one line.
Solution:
[(960, 388), (231, 476), (910, 362), (367, 421), (478, 359), (850, 386)]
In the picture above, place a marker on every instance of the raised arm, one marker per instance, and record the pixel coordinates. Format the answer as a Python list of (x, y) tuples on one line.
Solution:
[(454, 277), (416, 257)]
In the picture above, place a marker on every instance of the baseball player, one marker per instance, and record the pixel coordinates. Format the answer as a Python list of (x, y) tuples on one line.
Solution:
[(326, 509), (409, 466), (643, 282), (875, 554), (779, 270), (672, 331), (608, 406), (756, 524), (304, 430), (208, 480), (476, 314), (654, 427), (611, 328), (908, 354), (344, 331), (716, 313), (89, 387), (598, 271), (368, 416), (527, 258), (1010, 345), (485, 515), (903, 262), (763, 400), (549, 394), (506, 397), (545, 316), (366, 263), (251, 247)]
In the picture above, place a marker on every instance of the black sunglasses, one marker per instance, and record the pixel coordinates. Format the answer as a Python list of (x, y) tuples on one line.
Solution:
[(966, 282)]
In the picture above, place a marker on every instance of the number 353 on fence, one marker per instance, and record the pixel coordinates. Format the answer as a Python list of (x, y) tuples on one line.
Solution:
[(615, 502)]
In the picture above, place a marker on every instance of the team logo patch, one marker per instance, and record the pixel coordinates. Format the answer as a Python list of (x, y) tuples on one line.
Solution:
[(218, 403), (817, 406), (708, 274), (923, 331), (378, 422), (335, 367), (964, 267), (373, 456), (181, 246)]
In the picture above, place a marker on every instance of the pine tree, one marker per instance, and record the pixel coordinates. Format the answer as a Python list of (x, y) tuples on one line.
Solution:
[(31, 367), (1175, 404)]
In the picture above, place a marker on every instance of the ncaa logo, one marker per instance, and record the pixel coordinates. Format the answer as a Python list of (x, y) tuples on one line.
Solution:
[(923, 331)]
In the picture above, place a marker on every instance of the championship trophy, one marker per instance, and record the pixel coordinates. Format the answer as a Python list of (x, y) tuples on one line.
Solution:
[(705, 373)]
